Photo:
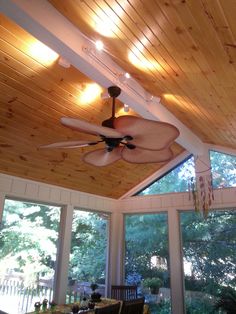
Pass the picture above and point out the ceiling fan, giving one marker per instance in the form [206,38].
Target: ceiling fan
[133,139]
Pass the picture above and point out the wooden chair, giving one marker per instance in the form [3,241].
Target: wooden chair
[133,306]
[110,309]
[123,292]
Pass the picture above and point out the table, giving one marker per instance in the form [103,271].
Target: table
[64,309]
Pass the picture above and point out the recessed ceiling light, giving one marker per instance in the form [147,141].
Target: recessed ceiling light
[126,108]
[63,62]
[127,75]
[99,45]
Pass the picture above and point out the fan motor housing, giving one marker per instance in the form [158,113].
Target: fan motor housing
[114,91]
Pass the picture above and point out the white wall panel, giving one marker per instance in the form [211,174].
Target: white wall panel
[18,187]
[32,190]
[5,184]
[44,193]
[180,201]
[35,191]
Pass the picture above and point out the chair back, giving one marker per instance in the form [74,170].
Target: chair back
[123,292]
[110,309]
[133,306]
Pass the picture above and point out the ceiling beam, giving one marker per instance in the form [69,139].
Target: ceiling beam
[45,23]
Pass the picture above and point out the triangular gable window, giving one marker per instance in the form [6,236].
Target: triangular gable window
[223,169]
[176,180]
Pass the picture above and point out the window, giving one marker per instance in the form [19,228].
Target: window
[28,249]
[223,169]
[174,181]
[146,258]
[209,259]
[88,254]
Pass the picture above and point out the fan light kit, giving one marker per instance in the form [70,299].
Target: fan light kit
[131,138]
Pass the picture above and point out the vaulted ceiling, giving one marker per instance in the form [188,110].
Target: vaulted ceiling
[182,52]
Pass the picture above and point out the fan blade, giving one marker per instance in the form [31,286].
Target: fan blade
[101,157]
[142,156]
[70,144]
[147,134]
[86,127]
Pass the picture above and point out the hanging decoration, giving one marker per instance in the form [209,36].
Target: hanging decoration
[201,192]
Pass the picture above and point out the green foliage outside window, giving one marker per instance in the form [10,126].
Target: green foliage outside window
[29,236]
[176,180]
[223,168]
[88,247]
[28,239]
[209,256]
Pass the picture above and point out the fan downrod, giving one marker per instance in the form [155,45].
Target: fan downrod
[114,92]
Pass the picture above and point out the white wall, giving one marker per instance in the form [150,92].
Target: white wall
[32,190]
[171,201]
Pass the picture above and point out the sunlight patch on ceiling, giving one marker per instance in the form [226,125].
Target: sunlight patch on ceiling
[104,27]
[177,100]
[90,93]
[139,60]
[105,22]
[40,52]
[186,105]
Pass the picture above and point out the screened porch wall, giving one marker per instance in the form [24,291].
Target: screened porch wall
[14,187]
[173,204]
[37,191]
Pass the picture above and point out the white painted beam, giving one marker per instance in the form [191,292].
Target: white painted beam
[44,22]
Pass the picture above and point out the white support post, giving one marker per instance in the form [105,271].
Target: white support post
[176,268]
[116,250]
[2,201]
[61,276]
[202,163]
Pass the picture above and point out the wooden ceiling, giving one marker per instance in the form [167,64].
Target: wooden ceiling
[184,51]
[181,51]
[34,95]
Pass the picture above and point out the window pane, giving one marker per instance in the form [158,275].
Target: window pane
[223,170]
[28,249]
[147,258]
[88,254]
[209,259]
[175,181]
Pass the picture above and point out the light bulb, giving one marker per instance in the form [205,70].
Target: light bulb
[99,45]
